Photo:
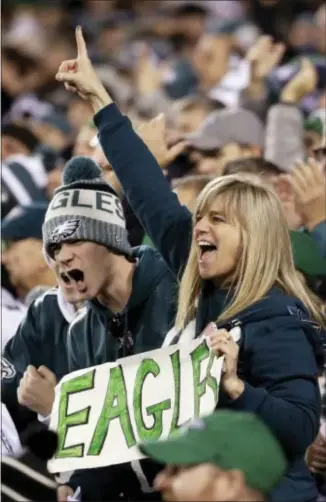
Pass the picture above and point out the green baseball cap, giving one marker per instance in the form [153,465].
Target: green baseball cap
[230,440]
[306,255]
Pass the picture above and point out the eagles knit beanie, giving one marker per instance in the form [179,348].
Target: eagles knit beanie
[85,208]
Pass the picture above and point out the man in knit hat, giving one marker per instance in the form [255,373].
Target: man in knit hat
[85,236]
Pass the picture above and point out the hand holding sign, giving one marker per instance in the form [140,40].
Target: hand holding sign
[80,77]
[223,343]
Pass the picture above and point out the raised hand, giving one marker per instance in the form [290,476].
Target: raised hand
[302,84]
[79,76]
[263,57]
[153,133]
[308,183]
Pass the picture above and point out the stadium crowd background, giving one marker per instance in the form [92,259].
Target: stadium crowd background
[235,80]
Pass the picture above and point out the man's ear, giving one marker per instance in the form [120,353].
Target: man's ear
[233,484]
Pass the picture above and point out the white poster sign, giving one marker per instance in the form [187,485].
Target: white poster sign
[102,413]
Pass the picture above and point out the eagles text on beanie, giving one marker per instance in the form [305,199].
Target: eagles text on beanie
[85,208]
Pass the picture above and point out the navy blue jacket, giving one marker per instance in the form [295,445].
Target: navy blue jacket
[278,349]
[40,340]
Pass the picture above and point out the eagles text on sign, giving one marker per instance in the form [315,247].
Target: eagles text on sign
[102,413]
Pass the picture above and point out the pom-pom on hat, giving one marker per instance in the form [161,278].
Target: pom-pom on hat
[85,208]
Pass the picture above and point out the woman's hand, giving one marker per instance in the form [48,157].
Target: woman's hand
[80,77]
[316,455]
[222,342]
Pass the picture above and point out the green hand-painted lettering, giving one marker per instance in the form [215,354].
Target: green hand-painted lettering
[200,354]
[148,366]
[115,406]
[175,359]
[65,421]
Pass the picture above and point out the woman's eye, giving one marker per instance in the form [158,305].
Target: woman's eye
[217,218]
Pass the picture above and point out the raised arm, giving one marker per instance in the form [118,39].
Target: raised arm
[165,220]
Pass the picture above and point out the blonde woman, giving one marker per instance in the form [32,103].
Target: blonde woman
[236,268]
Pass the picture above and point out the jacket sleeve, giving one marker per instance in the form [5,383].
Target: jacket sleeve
[23,349]
[285,390]
[167,223]
[284,135]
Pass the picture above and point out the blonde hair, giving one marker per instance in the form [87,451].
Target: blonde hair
[266,254]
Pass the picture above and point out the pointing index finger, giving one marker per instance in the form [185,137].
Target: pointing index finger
[81,44]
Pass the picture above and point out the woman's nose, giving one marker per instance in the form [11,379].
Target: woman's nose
[201,227]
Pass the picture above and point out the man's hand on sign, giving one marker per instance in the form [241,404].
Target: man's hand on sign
[64,492]
[79,76]
[36,390]
[153,133]
[222,342]
[303,83]
[309,185]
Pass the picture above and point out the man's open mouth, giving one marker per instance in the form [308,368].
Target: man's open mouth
[74,277]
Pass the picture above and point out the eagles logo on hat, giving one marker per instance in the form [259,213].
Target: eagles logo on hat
[65,230]
[85,208]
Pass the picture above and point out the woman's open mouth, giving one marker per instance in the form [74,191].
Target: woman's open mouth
[74,278]
[206,250]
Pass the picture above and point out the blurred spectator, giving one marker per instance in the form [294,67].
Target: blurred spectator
[17,140]
[188,189]
[192,111]
[54,130]
[12,313]
[208,460]
[23,256]
[226,135]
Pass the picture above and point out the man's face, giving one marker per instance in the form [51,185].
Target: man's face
[211,59]
[12,146]
[108,173]
[24,261]
[191,118]
[83,142]
[187,196]
[51,136]
[54,180]
[215,162]
[202,482]
[83,269]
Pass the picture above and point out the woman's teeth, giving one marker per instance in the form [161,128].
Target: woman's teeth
[206,246]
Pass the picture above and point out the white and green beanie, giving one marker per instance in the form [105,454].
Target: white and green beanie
[85,208]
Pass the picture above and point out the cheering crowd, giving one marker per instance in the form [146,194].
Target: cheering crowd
[163,177]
